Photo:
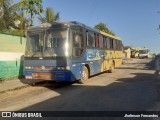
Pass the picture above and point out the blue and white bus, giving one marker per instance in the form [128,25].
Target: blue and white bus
[69,51]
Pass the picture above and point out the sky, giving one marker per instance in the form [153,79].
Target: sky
[135,21]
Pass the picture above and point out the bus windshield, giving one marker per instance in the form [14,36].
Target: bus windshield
[55,43]
[34,46]
[50,43]
[143,51]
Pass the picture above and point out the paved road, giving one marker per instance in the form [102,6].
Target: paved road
[132,87]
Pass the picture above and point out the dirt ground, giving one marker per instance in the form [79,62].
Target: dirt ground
[132,87]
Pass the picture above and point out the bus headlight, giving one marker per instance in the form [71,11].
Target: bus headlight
[28,67]
[61,68]
[67,68]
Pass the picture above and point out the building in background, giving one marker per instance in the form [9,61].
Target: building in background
[127,52]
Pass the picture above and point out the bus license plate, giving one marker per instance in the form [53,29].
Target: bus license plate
[43,76]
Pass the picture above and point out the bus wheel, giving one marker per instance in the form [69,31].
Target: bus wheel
[85,75]
[32,84]
[111,68]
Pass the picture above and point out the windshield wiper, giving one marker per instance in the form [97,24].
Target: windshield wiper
[32,56]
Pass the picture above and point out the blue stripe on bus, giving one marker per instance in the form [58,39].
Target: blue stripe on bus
[93,58]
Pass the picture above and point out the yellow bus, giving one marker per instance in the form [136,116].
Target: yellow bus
[113,51]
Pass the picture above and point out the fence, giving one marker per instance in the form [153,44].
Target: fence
[10,69]
[11,51]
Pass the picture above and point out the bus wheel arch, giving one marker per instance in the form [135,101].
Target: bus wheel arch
[114,64]
[112,67]
[85,74]
[88,69]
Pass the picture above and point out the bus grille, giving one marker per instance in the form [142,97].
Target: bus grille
[43,67]
[43,76]
[37,67]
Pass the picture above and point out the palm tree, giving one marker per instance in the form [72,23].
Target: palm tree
[50,16]
[32,8]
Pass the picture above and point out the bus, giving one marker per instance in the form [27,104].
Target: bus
[69,51]
[143,53]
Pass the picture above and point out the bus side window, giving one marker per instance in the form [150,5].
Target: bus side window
[108,43]
[111,43]
[100,41]
[117,41]
[104,42]
[119,45]
[90,40]
[114,44]
[86,38]
[76,40]
[78,43]
[97,40]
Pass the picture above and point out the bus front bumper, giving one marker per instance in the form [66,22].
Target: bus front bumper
[53,75]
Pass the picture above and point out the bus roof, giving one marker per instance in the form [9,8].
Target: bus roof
[70,23]
[111,36]
[61,24]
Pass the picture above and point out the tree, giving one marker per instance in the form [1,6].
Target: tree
[103,27]
[23,22]
[12,18]
[50,16]
[32,7]
[7,14]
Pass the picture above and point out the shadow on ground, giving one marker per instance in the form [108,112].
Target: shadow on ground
[140,93]
[147,65]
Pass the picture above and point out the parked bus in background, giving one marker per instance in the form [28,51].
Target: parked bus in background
[144,53]
[69,51]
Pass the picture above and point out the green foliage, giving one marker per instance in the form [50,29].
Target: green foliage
[103,27]
[50,16]
[24,22]
[10,15]
[7,14]
[32,7]
[154,54]
[14,32]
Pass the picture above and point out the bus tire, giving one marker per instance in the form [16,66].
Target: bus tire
[111,69]
[85,75]
[32,84]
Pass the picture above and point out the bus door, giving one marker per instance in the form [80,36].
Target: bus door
[78,46]
[99,55]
